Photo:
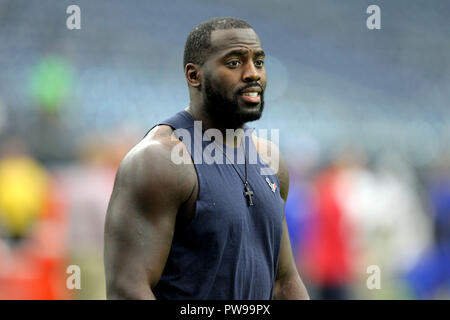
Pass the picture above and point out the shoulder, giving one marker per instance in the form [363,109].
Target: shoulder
[150,167]
[271,154]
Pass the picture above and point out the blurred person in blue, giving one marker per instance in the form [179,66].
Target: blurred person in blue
[299,207]
[430,277]
[204,230]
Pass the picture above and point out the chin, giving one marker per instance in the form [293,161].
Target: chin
[251,112]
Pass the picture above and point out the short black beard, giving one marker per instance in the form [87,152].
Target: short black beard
[228,113]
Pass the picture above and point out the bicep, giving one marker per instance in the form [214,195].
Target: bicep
[286,262]
[139,228]
[137,242]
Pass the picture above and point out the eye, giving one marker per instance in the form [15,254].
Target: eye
[233,63]
[259,63]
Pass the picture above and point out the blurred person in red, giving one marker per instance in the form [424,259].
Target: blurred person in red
[328,253]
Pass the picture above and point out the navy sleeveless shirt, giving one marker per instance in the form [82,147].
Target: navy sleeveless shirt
[229,250]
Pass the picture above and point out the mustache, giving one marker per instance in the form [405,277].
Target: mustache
[251,85]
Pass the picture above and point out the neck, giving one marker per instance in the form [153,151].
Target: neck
[199,114]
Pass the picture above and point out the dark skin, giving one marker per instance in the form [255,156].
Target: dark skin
[152,194]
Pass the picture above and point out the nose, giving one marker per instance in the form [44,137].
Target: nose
[251,74]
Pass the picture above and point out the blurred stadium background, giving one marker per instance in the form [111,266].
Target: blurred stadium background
[364,121]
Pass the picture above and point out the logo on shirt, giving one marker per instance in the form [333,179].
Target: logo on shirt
[272,186]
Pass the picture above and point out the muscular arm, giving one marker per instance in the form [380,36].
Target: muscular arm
[148,191]
[288,284]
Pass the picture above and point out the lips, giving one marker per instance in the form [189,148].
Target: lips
[251,95]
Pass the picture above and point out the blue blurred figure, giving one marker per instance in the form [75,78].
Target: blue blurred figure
[430,278]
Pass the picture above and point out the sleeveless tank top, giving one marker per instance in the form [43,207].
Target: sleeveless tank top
[229,250]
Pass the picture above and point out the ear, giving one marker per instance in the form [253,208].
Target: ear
[193,75]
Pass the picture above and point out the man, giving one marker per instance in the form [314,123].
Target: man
[196,230]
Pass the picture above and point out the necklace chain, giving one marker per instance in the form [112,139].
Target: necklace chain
[248,192]
[245,182]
